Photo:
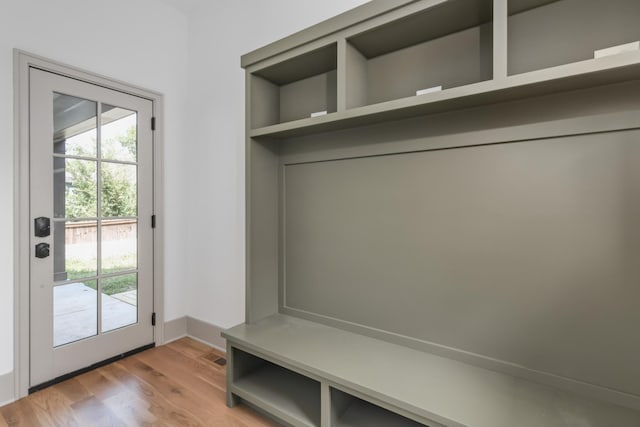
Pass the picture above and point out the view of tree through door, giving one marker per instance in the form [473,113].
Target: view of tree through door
[91,202]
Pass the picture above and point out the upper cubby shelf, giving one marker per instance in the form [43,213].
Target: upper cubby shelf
[435,56]
[584,74]
[445,46]
[295,89]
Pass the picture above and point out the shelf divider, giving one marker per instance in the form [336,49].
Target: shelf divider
[500,45]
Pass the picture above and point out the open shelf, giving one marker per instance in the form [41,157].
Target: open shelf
[585,74]
[447,45]
[296,88]
[289,396]
[543,33]
[350,411]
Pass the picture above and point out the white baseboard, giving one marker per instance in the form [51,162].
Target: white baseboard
[6,389]
[206,332]
[194,328]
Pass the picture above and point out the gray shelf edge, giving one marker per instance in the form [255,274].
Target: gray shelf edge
[534,83]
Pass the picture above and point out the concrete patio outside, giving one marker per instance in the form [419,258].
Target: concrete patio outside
[75,312]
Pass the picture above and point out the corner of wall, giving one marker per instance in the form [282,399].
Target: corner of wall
[206,332]
[175,329]
[197,329]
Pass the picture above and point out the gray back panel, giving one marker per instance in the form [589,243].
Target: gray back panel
[455,60]
[527,252]
[299,99]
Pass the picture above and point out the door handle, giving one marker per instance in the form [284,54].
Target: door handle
[42,250]
[42,226]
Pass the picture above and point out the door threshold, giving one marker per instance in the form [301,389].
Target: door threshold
[89,368]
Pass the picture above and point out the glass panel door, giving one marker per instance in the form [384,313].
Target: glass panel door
[91,156]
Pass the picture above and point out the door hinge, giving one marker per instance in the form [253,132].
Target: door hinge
[153,319]
[153,123]
[153,221]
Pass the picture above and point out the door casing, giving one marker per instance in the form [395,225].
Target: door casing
[23,61]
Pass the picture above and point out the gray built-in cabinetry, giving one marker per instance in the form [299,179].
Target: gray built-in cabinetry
[465,257]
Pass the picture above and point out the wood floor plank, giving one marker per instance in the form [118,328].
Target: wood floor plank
[93,412]
[175,393]
[157,404]
[194,376]
[212,357]
[73,389]
[98,385]
[7,415]
[198,351]
[189,347]
[199,376]
[133,411]
[189,372]
[187,386]
[58,407]
[20,413]
[177,385]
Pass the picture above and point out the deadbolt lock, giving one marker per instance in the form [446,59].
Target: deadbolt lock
[42,226]
[42,250]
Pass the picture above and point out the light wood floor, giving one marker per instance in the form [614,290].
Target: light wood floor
[178,384]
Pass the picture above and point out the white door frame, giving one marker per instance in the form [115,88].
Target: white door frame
[21,219]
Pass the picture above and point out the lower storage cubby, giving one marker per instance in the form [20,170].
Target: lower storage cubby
[292,398]
[350,411]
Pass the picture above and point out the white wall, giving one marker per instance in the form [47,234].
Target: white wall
[219,33]
[193,58]
[142,42]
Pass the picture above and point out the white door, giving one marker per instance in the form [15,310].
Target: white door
[91,203]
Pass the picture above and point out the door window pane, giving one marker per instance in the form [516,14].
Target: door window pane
[119,301]
[75,312]
[119,190]
[74,126]
[119,134]
[75,250]
[119,245]
[75,192]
